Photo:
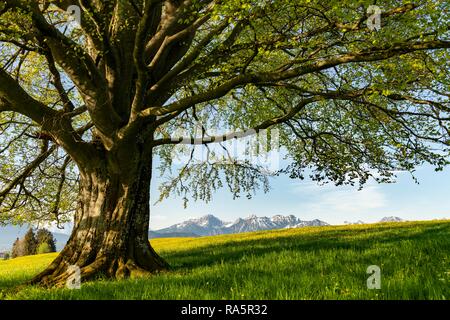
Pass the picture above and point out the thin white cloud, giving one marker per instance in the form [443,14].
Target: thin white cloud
[340,203]
[53,227]
[352,201]
[157,217]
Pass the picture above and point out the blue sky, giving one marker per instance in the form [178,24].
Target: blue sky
[305,199]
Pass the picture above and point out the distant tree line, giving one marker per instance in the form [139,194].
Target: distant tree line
[34,243]
[5,255]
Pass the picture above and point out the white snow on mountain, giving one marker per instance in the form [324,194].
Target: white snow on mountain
[391,219]
[352,223]
[211,225]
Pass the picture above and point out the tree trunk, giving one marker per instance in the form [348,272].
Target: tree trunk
[110,235]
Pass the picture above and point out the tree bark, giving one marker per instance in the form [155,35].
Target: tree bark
[110,235]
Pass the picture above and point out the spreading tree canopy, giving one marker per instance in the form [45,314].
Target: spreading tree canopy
[91,91]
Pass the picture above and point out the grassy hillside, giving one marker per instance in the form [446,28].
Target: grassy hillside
[306,263]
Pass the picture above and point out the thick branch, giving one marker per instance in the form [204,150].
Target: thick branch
[239,134]
[79,66]
[14,98]
[373,54]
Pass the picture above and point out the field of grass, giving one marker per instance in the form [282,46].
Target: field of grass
[305,263]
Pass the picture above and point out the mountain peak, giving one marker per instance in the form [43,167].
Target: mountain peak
[391,219]
[210,225]
[290,219]
[352,223]
[208,220]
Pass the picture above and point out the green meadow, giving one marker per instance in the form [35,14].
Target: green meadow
[305,263]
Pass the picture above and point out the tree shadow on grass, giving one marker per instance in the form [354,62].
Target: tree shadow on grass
[297,281]
[357,240]
[232,251]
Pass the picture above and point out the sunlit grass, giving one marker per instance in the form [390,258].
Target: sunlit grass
[305,263]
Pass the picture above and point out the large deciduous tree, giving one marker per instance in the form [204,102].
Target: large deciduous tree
[86,105]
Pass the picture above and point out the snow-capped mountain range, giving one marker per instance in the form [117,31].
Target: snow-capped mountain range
[204,226]
[210,225]
[385,219]
[391,219]
[354,223]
